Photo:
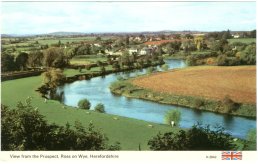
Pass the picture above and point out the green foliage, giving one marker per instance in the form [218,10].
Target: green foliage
[100,108]
[21,61]
[228,105]
[172,115]
[23,128]
[198,103]
[199,137]
[35,59]
[7,63]
[191,60]
[53,77]
[102,69]
[222,60]
[251,136]
[84,104]
[150,70]
[54,57]
[164,67]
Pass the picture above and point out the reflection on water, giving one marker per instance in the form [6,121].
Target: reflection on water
[97,91]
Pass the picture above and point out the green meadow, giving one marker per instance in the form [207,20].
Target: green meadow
[129,132]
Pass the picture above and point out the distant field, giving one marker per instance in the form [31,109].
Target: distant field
[212,82]
[243,40]
[87,60]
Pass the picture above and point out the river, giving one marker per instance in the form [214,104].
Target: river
[97,91]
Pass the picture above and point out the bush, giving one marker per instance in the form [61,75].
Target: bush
[164,67]
[222,60]
[84,104]
[191,60]
[173,115]
[197,138]
[100,108]
[229,105]
[150,70]
[198,103]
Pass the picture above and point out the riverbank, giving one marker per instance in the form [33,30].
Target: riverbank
[116,128]
[168,94]
[129,132]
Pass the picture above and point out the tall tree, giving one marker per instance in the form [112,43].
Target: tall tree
[21,60]
[7,63]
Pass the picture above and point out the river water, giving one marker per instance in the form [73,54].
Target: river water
[97,91]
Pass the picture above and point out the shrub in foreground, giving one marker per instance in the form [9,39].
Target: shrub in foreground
[199,137]
[23,128]
[84,104]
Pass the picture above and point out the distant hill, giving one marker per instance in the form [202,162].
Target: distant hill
[62,33]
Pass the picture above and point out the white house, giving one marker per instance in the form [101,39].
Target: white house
[131,51]
[236,36]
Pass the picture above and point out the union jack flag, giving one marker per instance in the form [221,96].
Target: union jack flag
[231,155]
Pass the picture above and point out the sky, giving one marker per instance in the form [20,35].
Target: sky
[90,17]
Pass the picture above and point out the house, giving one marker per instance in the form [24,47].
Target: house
[132,51]
[236,36]
[145,51]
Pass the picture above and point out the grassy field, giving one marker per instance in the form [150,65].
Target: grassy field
[239,83]
[129,132]
[243,40]
[81,61]
[72,72]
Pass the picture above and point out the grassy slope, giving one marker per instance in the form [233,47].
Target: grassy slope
[129,132]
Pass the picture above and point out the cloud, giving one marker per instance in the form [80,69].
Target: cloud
[42,17]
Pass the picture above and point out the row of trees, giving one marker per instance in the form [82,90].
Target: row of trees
[51,57]
[225,54]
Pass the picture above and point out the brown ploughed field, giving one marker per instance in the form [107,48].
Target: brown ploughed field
[211,82]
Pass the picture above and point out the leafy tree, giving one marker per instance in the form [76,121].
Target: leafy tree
[199,137]
[54,57]
[150,70]
[191,60]
[173,115]
[100,108]
[98,38]
[21,60]
[116,66]
[53,77]
[84,104]
[169,141]
[35,59]
[23,128]
[99,63]
[7,62]
[222,60]
[102,69]
[164,67]
[253,34]
[83,50]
